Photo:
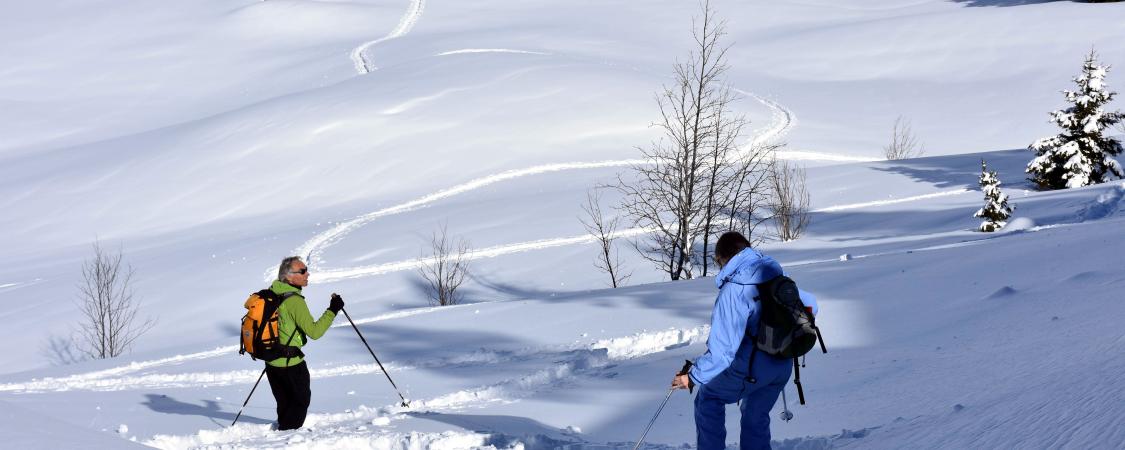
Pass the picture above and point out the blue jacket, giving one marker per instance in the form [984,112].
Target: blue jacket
[735,309]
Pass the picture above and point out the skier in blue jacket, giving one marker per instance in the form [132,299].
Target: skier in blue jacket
[721,373]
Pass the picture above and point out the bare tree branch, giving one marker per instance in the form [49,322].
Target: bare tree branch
[904,144]
[791,200]
[108,306]
[603,229]
[445,268]
[697,171]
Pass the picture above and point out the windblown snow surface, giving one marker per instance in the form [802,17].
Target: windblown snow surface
[208,139]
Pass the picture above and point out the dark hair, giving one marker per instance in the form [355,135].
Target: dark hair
[730,244]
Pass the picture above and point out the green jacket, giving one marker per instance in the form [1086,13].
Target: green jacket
[292,314]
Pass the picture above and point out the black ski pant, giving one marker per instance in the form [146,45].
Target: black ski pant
[290,386]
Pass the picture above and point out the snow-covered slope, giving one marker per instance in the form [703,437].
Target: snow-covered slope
[212,138]
[941,338]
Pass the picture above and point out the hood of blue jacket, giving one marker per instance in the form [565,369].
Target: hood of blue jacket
[748,267]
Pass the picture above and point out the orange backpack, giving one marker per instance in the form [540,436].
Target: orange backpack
[260,337]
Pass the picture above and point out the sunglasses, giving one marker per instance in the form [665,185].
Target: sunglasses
[303,271]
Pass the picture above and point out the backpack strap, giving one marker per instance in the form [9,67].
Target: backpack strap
[753,340]
[797,380]
[289,351]
[819,338]
[750,368]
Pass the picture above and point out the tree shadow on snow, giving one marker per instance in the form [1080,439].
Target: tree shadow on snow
[507,289]
[210,409]
[963,171]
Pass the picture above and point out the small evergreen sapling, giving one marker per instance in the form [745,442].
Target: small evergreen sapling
[1081,155]
[996,210]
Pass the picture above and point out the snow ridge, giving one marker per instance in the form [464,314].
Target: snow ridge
[1106,205]
[634,346]
[340,429]
[600,355]
[329,439]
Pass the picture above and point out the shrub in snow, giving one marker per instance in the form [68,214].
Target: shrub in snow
[790,202]
[904,144]
[996,210]
[1081,155]
[446,268]
[109,323]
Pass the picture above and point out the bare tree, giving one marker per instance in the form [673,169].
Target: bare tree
[790,200]
[904,144]
[109,307]
[445,268]
[724,168]
[675,194]
[750,192]
[603,230]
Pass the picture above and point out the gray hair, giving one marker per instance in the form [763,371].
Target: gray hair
[285,266]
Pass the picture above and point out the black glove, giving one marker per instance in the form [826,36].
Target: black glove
[336,304]
[684,371]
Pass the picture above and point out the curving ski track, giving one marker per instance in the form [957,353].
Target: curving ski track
[783,120]
[405,24]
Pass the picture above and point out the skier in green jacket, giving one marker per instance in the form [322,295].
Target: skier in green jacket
[289,376]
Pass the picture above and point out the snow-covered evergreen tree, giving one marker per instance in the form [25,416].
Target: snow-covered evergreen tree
[996,210]
[1081,155]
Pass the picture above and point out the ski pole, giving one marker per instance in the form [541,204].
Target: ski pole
[658,410]
[248,397]
[786,415]
[405,403]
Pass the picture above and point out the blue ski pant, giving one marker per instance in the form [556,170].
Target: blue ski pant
[755,402]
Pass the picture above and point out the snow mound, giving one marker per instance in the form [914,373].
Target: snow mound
[1004,292]
[1019,224]
[646,343]
[1107,204]
[332,439]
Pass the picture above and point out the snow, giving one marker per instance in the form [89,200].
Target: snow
[211,138]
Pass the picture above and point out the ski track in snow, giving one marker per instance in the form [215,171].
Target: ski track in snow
[802,155]
[312,249]
[490,252]
[19,284]
[490,50]
[783,121]
[405,24]
[576,363]
[893,201]
[79,381]
[627,347]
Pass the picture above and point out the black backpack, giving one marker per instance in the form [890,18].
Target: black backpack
[786,328]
